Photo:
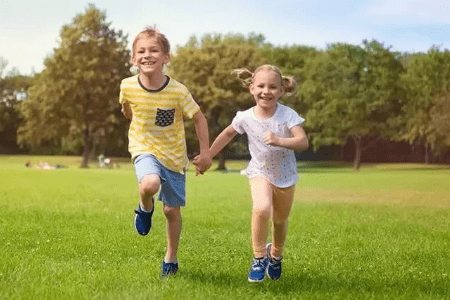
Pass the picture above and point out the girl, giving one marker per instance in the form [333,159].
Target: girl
[274,131]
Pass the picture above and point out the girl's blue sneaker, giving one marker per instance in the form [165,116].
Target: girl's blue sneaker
[168,269]
[143,221]
[274,266]
[258,270]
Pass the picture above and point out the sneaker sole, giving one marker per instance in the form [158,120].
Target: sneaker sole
[255,280]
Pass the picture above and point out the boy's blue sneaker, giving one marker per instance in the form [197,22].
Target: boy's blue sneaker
[258,270]
[274,266]
[168,269]
[143,221]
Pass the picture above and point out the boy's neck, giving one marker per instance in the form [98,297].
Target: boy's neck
[154,82]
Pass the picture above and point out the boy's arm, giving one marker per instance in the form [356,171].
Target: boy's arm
[298,141]
[126,110]
[203,161]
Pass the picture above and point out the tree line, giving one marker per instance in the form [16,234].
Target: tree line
[357,94]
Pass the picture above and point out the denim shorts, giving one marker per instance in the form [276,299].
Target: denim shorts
[173,184]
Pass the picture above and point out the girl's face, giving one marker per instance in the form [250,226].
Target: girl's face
[149,56]
[266,88]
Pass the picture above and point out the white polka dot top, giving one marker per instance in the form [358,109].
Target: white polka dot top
[278,164]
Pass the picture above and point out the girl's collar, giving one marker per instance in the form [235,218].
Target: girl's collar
[268,118]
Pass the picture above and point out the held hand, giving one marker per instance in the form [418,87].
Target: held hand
[126,110]
[271,139]
[202,163]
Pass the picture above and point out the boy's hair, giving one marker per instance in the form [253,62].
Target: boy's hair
[287,82]
[152,32]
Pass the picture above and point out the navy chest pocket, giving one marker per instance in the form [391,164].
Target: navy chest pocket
[164,117]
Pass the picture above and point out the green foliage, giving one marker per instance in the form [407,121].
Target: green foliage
[205,68]
[74,102]
[351,92]
[440,123]
[427,81]
[13,90]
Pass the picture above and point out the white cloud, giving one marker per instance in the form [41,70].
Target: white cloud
[408,11]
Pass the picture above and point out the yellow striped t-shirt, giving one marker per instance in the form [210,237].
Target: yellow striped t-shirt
[157,126]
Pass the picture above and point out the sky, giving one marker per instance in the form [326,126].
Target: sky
[30,29]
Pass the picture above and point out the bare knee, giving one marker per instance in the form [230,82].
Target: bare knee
[262,211]
[171,211]
[149,185]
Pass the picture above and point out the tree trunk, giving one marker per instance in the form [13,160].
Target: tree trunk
[87,149]
[427,155]
[222,159]
[358,151]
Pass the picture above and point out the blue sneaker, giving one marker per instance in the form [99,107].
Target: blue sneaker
[258,270]
[168,269]
[143,221]
[274,267]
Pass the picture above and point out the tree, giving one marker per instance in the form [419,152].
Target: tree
[74,103]
[440,123]
[13,90]
[352,92]
[427,81]
[205,68]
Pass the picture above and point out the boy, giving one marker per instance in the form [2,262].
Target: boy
[156,105]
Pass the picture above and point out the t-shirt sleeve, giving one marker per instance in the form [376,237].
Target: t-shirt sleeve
[190,107]
[294,119]
[122,95]
[238,121]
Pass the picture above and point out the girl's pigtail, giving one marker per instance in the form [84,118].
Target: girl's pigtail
[290,85]
[244,75]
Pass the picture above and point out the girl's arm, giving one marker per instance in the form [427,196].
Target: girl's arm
[298,141]
[222,140]
[203,161]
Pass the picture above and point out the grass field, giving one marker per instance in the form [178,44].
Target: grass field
[380,233]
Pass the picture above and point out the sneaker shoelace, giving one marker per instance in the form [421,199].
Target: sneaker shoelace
[258,264]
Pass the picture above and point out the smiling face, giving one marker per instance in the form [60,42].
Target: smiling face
[149,56]
[266,89]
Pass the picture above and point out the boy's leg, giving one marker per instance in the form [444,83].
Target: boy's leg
[173,231]
[262,195]
[148,188]
[148,173]
[282,204]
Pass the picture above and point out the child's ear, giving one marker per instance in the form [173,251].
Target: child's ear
[133,60]
[167,59]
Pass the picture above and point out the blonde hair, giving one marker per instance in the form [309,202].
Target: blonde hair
[148,32]
[287,82]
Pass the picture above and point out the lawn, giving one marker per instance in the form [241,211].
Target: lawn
[380,233]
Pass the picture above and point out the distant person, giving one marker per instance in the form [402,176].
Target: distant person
[156,105]
[274,131]
[44,166]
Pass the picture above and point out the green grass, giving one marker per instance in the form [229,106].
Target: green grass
[380,233]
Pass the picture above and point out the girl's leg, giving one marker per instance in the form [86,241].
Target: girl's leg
[148,187]
[173,231]
[282,203]
[261,191]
